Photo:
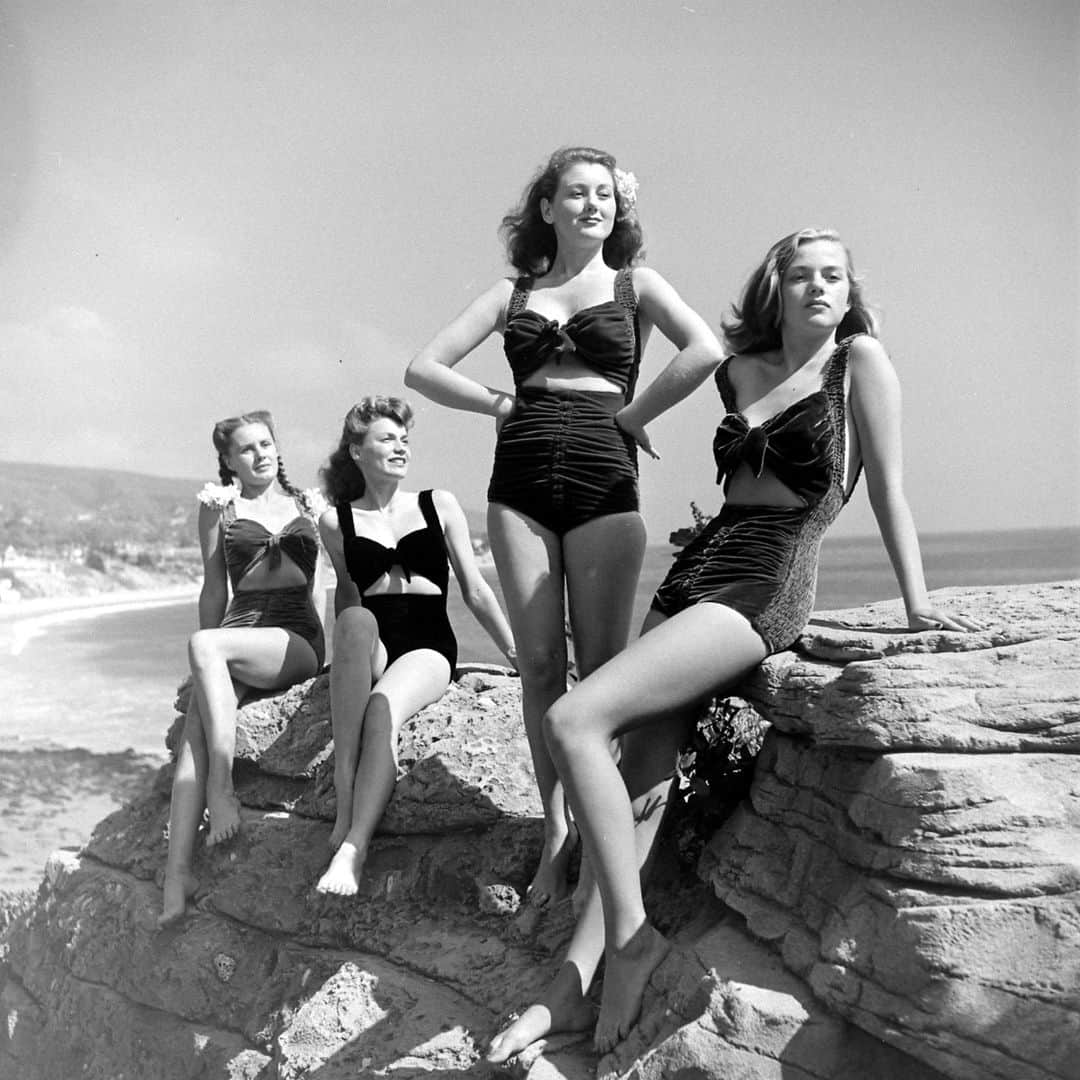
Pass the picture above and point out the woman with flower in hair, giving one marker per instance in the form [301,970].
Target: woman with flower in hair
[259,540]
[394,649]
[563,516]
[811,399]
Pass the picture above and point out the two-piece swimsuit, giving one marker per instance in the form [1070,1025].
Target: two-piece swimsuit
[407,621]
[248,543]
[560,458]
[762,561]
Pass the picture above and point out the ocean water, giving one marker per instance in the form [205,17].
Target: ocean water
[87,697]
[105,682]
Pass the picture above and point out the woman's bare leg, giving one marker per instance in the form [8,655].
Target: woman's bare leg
[648,763]
[262,657]
[185,814]
[409,683]
[603,563]
[529,561]
[358,660]
[663,673]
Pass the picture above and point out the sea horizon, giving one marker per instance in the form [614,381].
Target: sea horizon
[90,688]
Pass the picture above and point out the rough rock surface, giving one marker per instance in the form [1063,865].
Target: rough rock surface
[898,898]
[912,843]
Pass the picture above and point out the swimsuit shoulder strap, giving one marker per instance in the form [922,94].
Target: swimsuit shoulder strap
[626,298]
[345,520]
[624,289]
[519,297]
[431,515]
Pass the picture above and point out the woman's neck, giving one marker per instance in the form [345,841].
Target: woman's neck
[378,495]
[258,492]
[574,262]
[796,352]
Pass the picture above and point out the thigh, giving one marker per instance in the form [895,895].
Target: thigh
[603,563]
[412,681]
[529,562]
[265,657]
[666,672]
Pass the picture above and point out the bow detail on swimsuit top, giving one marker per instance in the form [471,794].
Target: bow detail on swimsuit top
[794,445]
[379,560]
[600,336]
[248,542]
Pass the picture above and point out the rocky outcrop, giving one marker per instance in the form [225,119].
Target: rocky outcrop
[912,843]
[898,898]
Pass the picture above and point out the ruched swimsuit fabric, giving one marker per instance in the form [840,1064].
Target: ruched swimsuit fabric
[407,621]
[560,458]
[762,561]
[247,543]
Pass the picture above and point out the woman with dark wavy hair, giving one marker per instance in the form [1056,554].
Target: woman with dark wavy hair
[563,515]
[394,649]
[258,538]
[806,411]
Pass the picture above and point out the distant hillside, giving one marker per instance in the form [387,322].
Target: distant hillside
[46,507]
[49,507]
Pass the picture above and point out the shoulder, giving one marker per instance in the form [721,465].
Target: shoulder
[864,349]
[329,525]
[868,361]
[648,282]
[446,504]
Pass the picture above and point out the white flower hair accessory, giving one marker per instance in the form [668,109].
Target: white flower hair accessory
[626,184]
[217,495]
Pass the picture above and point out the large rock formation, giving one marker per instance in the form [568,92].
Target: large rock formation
[898,898]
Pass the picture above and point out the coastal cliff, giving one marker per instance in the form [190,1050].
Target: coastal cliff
[899,896]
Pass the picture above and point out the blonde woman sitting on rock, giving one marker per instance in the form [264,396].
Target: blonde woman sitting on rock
[394,650]
[258,537]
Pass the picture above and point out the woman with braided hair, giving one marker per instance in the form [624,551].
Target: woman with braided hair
[259,540]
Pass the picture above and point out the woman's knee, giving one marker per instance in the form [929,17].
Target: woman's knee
[355,628]
[203,650]
[564,725]
[543,667]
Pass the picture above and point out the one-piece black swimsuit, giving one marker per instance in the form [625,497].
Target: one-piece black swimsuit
[248,542]
[762,560]
[407,621]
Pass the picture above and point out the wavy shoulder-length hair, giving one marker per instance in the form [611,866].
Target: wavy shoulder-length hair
[222,438]
[341,477]
[754,325]
[530,240]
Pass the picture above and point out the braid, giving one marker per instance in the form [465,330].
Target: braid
[284,481]
[226,474]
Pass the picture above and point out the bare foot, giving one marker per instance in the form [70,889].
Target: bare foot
[224,817]
[549,883]
[626,974]
[563,1008]
[342,877]
[178,888]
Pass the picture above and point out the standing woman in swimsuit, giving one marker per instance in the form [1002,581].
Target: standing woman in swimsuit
[563,498]
[394,650]
[258,537]
[810,397]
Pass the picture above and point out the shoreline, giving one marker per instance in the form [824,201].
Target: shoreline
[99,602]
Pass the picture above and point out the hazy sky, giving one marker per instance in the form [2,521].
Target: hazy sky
[212,207]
